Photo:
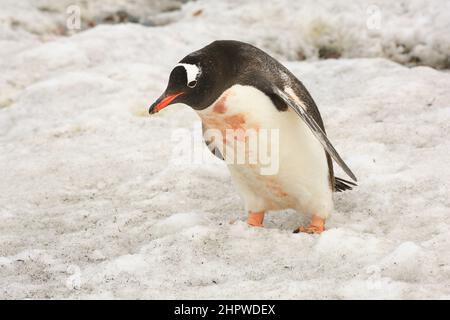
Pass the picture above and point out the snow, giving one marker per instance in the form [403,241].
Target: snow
[94,204]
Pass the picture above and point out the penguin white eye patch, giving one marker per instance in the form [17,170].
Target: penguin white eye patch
[192,73]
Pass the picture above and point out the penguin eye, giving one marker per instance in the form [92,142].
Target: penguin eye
[192,84]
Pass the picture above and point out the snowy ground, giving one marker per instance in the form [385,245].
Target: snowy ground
[92,204]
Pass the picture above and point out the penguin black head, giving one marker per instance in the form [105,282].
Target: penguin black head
[190,83]
[198,79]
[184,86]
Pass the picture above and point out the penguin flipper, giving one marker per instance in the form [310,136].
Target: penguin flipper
[301,110]
[214,150]
[211,147]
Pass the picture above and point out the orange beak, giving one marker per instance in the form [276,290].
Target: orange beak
[163,102]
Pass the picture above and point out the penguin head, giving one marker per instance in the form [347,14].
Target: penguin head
[200,77]
[190,82]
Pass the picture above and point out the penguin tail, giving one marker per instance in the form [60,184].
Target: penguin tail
[342,184]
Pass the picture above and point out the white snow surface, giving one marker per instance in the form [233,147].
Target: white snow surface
[93,203]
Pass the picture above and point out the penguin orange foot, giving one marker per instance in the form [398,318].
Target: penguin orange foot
[317,225]
[255,219]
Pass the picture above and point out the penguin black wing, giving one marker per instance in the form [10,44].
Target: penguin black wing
[301,109]
[211,145]
[301,102]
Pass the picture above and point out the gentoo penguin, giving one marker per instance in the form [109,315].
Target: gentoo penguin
[235,86]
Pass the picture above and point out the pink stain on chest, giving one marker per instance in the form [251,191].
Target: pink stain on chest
[217,118]
[220,117]
[235,121]
[219,106]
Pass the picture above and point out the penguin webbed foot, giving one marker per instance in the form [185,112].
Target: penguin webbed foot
[309,229]
[316,226]
[255,219]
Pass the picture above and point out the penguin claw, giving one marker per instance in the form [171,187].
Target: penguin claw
[317,226]
[256,225]
[310,230]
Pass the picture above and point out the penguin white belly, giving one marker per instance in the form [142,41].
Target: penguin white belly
[294,174]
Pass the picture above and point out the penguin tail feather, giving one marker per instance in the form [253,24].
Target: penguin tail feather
[342,184]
